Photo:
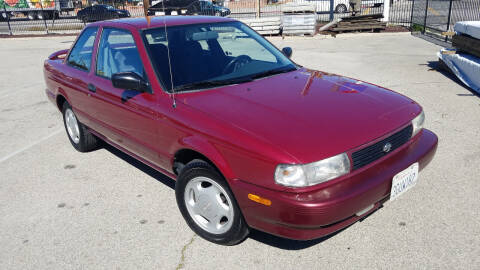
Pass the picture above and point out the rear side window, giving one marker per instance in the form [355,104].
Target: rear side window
[117,52]
[81,55]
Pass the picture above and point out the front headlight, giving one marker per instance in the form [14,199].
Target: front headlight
[313,173]
[417,123]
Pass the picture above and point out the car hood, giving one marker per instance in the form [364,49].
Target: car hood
[310,115]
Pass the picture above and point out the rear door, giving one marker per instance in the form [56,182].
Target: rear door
[128,116]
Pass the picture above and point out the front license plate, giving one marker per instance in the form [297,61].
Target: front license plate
[404,181]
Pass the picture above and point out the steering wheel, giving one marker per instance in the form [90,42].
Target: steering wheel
[237,63]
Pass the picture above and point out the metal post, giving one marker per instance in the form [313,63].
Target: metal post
[411,15]
[425,18]
[386,10]
[43,15]
[8,20]
[448,20]
[258,8]
[81,7]
[331,10]
[54,11]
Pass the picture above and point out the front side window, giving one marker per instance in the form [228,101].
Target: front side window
[81,55]
[117,52]
[207,55]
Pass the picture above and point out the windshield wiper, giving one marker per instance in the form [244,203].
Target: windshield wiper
[273,72]
[207,84]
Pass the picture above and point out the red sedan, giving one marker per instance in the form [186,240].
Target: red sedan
[252,139]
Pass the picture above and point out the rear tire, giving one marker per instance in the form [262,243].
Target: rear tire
[80,138]
[208,206]
[32,15]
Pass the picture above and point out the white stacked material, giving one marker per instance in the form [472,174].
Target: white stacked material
[265,26]
[299,19]
[471,28]
[465,66]
[299,8]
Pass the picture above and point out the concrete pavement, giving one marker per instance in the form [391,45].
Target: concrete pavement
[60,209]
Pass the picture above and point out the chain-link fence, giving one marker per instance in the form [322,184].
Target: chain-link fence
[70,16]
[432,17]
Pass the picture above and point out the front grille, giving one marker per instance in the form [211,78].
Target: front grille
[375,151]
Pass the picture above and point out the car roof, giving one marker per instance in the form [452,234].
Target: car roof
[159,21]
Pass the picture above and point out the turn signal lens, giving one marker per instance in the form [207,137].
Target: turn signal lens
[259,199]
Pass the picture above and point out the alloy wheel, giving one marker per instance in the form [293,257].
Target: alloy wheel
[72,126]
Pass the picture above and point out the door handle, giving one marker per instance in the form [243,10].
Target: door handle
[92,88]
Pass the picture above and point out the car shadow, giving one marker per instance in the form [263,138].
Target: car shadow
[289,244]
[141,166]
[262,237]
[444,70]
[284,243]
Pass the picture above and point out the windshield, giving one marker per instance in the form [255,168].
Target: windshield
[109,7]
[208,55]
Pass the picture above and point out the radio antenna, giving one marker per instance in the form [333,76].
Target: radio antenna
[174,104]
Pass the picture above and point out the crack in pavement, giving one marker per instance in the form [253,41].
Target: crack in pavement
[181,264]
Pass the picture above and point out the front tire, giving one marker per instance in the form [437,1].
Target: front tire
[208,206]
[80,138]
[341,8]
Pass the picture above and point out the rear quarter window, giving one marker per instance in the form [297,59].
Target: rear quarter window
[81,55]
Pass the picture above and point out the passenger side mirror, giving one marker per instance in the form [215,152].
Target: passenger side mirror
[130,81]
[287,51]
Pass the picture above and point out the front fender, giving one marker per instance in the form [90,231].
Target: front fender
[207,149]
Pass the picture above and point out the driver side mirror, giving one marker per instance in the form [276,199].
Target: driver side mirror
[287,51]
[130,81]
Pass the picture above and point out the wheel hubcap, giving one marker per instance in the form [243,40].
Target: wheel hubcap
[209,205]
[72,126]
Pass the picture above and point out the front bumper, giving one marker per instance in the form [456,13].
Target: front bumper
[313,214]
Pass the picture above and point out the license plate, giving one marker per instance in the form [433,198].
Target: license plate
[404,181]
[174,13]
[159,13]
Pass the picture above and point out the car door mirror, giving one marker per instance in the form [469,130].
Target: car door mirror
[287,51]
[130,81]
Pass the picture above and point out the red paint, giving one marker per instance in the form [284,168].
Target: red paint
[246,130]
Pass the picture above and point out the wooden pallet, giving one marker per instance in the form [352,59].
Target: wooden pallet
[466,44]
[359,23]
[363,17]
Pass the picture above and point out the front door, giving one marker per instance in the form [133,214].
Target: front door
[128,116]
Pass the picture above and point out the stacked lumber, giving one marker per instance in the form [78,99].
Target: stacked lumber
[466,44]
[299,19]
[359,23]
[265,26]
